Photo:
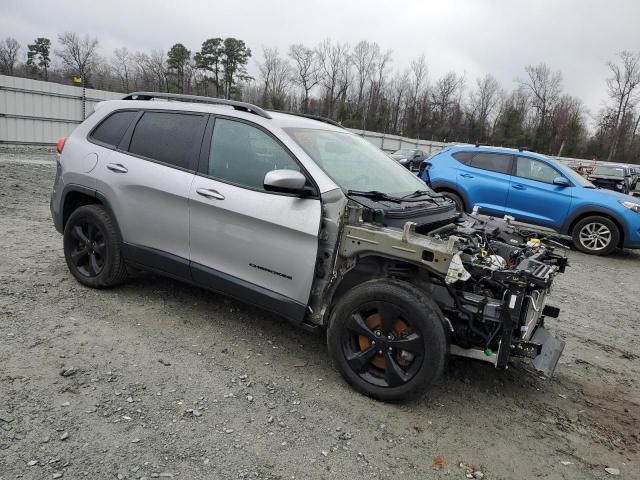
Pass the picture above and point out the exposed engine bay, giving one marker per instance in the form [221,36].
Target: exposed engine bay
[489,278]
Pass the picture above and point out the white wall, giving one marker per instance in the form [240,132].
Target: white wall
[33,112]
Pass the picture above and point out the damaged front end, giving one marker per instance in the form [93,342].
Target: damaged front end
[489,278]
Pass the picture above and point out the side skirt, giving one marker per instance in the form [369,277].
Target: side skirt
[181,269]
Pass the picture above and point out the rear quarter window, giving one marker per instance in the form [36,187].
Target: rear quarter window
[111,130]
[463,157]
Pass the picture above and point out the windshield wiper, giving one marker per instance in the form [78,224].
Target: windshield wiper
[418,193]
[374,194]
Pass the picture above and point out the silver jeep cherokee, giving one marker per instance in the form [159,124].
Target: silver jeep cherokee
[301,217]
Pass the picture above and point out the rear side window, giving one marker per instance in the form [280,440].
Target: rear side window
[463,157]
[113,128]
[171,138]
[492,161]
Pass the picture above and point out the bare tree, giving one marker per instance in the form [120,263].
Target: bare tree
[544,88]
[276,74]
[483,101]
[306,71]
[158,67]
[364,57]
[377,86]
[401,86]
[332,59]
[78,54]
[621,87]
[9,49]
[122,66]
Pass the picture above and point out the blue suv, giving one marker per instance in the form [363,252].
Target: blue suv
[535,189]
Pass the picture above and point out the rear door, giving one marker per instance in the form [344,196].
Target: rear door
[146,181]
[533,197]
[252,244]
[485,178]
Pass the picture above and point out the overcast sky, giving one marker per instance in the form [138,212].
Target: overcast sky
[474,37]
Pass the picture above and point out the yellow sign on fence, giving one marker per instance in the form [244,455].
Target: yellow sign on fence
[77,79]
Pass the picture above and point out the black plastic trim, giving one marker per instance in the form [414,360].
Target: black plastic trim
[182,269]
[248,292]
[159,261]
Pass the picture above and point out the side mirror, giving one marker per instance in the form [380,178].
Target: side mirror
[285,181]
[417,155]
[561,182]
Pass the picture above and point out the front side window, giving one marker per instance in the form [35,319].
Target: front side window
[243,154]
[171,138]
[535,170]
[492,161]
[113,128]
[353,163]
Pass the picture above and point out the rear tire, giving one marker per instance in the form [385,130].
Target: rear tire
[387,339]
[596,235]
[92,248]
[455,198]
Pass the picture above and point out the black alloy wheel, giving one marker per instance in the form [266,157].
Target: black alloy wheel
[92,247]
[381,346]
[387,339]
[88,249]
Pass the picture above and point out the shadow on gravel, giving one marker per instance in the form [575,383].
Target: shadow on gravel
[463,378]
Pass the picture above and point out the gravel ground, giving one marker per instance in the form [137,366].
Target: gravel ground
[161,379]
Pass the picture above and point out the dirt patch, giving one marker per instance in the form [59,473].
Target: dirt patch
[161,379]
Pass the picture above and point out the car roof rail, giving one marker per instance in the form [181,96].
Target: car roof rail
[479,144]
[243,106]
[311,116]
[524,149]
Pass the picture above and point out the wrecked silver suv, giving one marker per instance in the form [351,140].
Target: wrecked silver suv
[301,217]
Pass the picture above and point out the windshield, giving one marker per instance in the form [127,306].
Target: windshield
[355,164]
[405,152]
[609,170]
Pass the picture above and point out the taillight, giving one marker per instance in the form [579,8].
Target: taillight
[60,144]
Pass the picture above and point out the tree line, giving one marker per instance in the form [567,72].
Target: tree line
[359,87]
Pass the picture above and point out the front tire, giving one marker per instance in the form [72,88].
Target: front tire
[387,340]
[596,235]
[455,198]
[92,248]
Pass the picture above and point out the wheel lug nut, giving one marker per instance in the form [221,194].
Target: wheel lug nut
[379,352]
[373,342]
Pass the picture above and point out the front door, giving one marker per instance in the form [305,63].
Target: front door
[534,198]
[256,245]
